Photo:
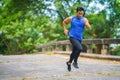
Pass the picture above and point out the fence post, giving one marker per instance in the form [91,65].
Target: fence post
[68,47]
[104,50]
[60,48]
[43,49]
[48,48]
[89,48]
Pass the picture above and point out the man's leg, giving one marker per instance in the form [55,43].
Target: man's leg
[73,55]
[76,57]
[78,53]
[77,47]
[75,63]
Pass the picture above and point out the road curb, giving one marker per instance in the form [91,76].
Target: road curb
[91,55]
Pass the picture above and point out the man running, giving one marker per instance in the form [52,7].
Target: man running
[75,34]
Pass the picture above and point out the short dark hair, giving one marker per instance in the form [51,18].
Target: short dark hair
[80,9]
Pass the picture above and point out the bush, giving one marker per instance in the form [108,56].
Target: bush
[116,51]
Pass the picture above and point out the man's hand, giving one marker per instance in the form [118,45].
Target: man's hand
[66,32]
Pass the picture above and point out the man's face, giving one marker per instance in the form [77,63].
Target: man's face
[80,14]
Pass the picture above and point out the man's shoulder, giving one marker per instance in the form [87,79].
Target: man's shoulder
[72,16]
[85,19]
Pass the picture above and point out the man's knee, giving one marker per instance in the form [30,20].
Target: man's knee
[79,49]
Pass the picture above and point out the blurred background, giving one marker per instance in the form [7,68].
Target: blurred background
[25,24]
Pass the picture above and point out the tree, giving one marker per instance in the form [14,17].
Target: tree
[20,25]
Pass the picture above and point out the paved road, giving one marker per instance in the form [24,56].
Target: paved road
[53,67]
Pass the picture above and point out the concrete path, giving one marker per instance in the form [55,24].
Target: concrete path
[53,67]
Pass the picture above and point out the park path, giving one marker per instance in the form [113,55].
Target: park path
[53,67]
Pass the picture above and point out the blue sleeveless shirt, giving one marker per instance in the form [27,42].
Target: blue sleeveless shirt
[77,28]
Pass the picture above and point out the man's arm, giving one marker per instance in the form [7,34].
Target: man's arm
[87,24]
[65,21]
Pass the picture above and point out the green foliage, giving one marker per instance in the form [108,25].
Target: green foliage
[113,14]
[25,35]
[115,50]
[97,22]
